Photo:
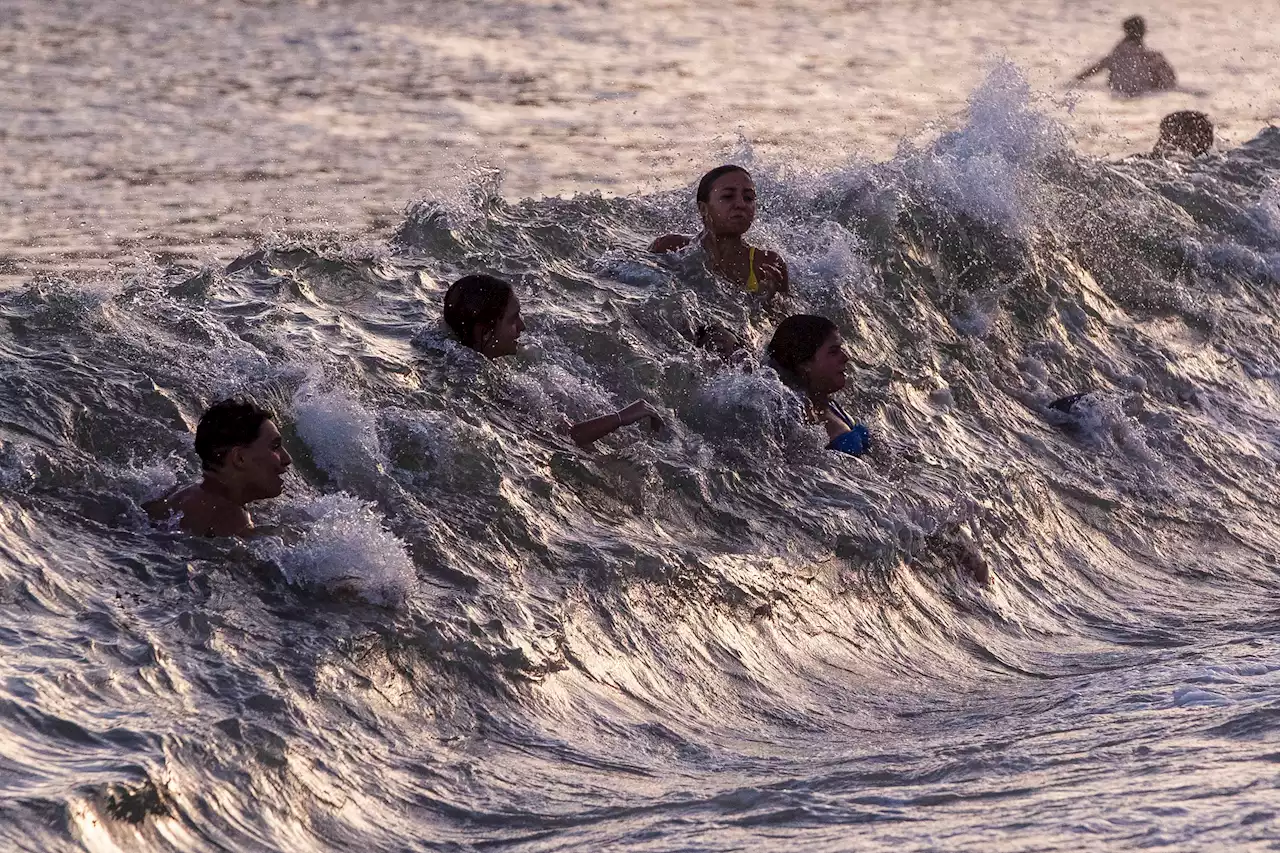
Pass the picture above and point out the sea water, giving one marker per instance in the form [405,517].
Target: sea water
[458,631]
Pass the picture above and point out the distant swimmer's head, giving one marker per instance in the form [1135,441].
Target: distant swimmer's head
[727,201]
[1186,130]
[484,313]
[810,348]
[1135,28]
[238,441]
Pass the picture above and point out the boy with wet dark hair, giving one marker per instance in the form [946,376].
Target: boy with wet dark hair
[244,460]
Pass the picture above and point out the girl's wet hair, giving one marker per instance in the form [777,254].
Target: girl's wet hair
[798,339]
[473,302]
[228,423]
[710,178]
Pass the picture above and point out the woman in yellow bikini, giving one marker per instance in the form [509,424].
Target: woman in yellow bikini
[727,205]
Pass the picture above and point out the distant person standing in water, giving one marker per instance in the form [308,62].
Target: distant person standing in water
[244,460]
[726,199]
[1134,69]
[483,312]
[1188,131]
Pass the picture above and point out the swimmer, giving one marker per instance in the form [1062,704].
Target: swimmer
[244,460]
[809,352]
[1188,131]
[727,204]
[726,200]
[1133,68]
[810,355]
[483,312]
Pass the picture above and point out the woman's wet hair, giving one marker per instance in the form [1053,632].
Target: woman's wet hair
[798,339]
[710,178]
[473,302]
[230,423]
[1135,27]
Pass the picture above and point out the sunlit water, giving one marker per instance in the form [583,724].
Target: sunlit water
[462,632]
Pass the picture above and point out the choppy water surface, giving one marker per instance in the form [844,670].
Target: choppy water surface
[466,633]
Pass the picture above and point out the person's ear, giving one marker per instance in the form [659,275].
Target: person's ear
[704,211]
[235,458]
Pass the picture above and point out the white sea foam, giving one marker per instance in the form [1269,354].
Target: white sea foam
[1102,418]
[983,169]
[340,432]
[556,391]
[1194,697]
[830,271]
[345,546]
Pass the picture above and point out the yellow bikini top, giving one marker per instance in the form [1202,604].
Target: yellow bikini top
[753,284]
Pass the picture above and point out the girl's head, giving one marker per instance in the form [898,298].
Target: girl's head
[727,201]
[484,313]
[809,347]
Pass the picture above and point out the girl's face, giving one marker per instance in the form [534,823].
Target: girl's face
[504,337]
[731,207]
[824,373]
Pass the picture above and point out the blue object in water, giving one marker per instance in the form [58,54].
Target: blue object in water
[855,442]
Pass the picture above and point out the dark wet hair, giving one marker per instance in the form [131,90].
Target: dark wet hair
[1135,27]
[473,301]
[228,423]
[1185,130]
[797,339]
[710,178]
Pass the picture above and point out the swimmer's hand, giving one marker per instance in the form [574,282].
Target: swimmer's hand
[719,340]
[774,269]
[638,411]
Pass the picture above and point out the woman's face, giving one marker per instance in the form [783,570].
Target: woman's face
[504,337]
[731,206]
[824,373]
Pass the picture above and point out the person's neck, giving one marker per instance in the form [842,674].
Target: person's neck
[224,491]
[720,245]
[819,400]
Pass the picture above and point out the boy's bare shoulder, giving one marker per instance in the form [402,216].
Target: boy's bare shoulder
[199,513]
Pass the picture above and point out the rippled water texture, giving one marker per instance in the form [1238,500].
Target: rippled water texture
[462,632]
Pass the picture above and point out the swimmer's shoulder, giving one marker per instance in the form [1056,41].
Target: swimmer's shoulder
[163,507]
[669,243]
[197,514]
[770,265]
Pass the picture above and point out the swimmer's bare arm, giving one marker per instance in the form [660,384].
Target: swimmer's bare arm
[586,433]
[669,243]
[1101,65]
